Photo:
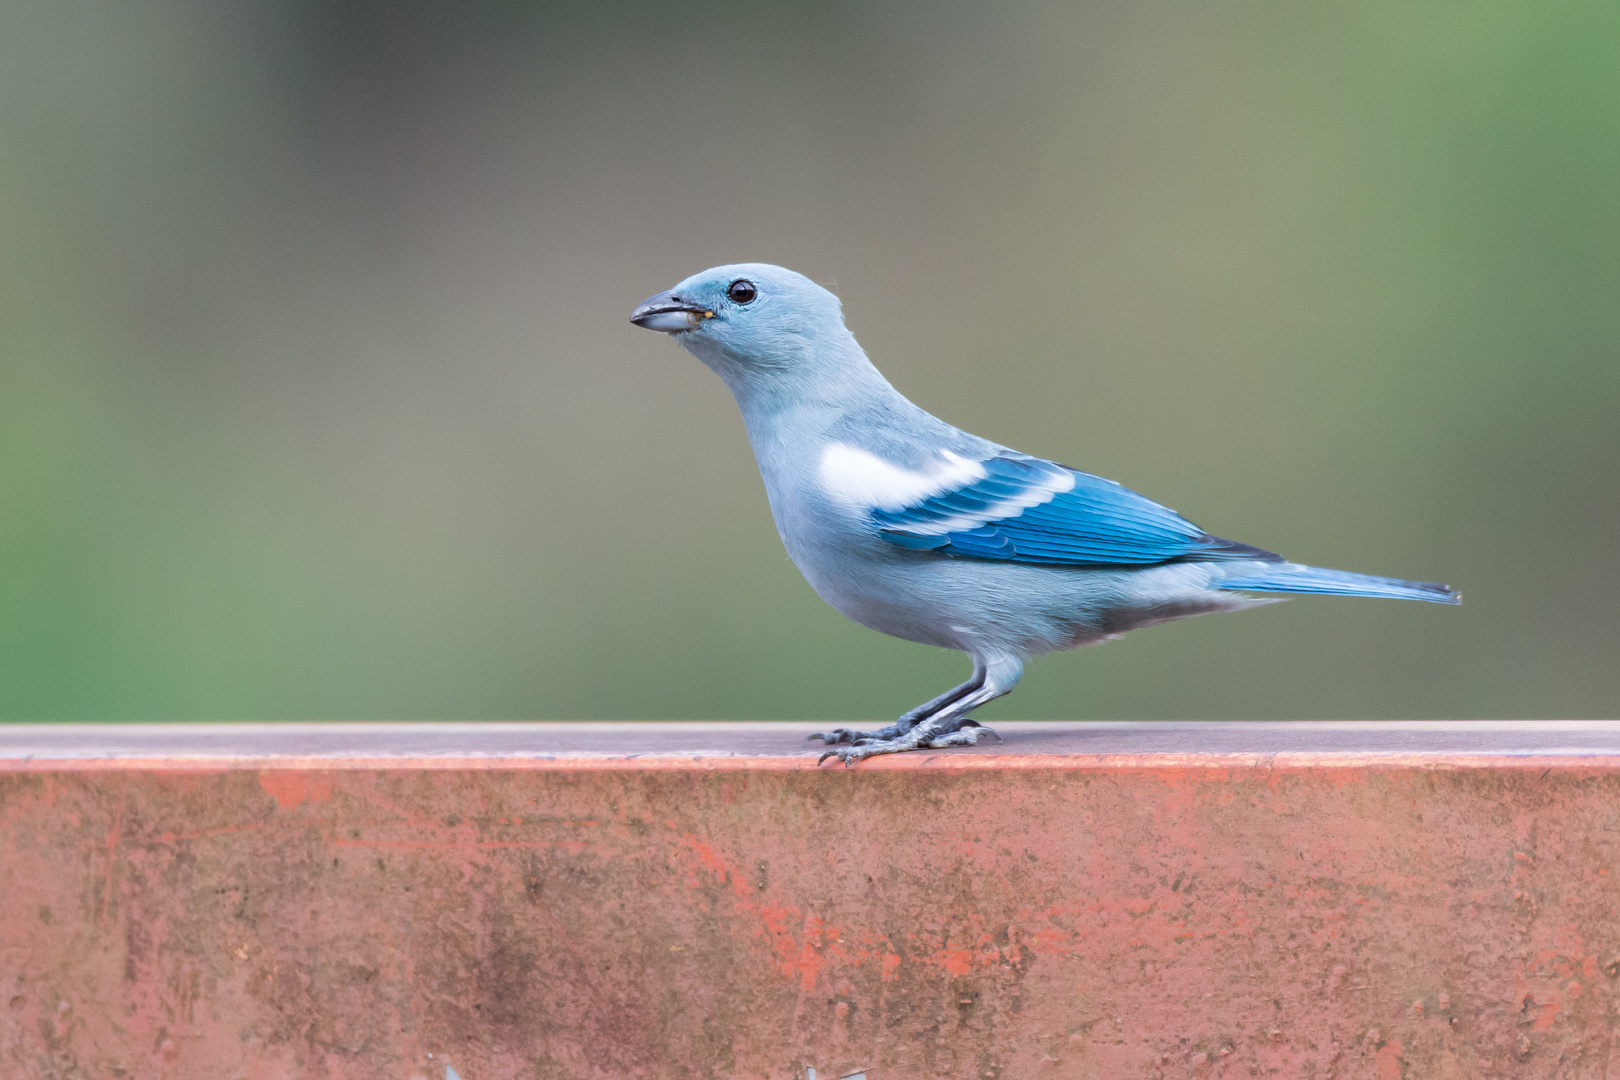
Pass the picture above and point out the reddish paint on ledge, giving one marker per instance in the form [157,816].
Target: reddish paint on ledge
[936,917]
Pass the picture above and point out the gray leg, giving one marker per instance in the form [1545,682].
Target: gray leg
[949,726]
[906,722]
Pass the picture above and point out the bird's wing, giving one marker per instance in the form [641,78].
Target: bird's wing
[1015,508]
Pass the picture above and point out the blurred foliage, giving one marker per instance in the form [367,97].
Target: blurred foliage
[318,399]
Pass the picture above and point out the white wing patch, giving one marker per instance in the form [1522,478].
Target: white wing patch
[1035,494]
[864,482]
[861,480]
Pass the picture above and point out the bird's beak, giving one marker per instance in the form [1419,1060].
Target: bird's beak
[669,314]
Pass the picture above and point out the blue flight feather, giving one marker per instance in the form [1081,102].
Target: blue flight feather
[1095,522]
[1294,578]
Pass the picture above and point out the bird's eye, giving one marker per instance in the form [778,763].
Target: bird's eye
[742,292]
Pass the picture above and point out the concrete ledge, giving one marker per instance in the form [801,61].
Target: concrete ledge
[718,743]
[697,900]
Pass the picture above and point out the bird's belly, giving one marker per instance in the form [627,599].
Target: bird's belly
[896,614]
[980,606]
[972,605]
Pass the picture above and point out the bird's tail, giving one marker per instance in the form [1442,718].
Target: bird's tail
[1294,578]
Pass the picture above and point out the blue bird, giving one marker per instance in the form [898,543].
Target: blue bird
[918,529]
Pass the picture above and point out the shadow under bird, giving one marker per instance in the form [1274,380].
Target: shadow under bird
[918,529]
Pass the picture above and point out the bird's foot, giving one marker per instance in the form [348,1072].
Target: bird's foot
[970,734]
[849,735]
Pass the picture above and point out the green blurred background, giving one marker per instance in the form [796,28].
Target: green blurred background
[318,398]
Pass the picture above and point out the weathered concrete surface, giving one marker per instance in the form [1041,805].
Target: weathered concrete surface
[971,915]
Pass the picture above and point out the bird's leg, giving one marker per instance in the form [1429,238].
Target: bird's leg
[906,722]
[949,726]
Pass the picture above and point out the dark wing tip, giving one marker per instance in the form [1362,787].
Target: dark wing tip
[1209,548]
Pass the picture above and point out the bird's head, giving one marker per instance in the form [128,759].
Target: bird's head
[754,324]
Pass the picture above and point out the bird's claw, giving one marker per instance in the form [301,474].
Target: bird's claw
[843,735]
[862,748]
